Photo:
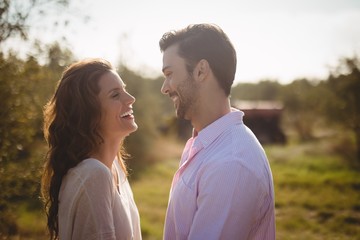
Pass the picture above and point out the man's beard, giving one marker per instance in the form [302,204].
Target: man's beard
[187,92]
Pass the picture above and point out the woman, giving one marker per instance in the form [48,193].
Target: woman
[84,183]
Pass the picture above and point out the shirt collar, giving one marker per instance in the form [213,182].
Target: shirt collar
[207,135]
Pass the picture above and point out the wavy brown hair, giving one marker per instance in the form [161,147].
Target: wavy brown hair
[71,129]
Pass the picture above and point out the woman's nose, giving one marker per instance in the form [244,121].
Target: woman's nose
[131,98]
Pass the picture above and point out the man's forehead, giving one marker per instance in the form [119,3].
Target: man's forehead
[171,58]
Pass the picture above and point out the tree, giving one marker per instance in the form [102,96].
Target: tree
[25,86]
[344,105]
[147,112]
[15,15]
[264,90]
[301,99]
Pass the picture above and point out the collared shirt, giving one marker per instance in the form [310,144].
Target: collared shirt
[223,188]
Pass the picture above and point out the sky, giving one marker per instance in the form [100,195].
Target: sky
[279,40]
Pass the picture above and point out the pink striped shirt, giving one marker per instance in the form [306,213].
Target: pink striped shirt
[223,188]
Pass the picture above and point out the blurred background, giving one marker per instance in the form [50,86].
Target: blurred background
[298,82]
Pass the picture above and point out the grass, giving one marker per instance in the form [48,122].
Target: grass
[317,193]
[31,223]
[151,195]
[151,189]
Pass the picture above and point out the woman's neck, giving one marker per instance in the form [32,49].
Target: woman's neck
[106,153]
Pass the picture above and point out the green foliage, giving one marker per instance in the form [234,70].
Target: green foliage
[16,113]
[344,86]
[264,90]
[147,111]
[343,105]
[18,128]
[25,86]
[301,100]
[15,15]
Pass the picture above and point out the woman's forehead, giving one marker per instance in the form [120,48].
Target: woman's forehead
[110,80]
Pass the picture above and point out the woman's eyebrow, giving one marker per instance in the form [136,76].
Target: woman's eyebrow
[113,89]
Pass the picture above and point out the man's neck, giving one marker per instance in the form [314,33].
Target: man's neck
[210,113]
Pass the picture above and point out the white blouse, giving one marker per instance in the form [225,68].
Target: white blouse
[92,207]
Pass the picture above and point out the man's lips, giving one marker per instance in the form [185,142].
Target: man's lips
[173,96]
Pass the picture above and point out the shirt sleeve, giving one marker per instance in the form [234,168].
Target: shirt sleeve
[97,203]
[228,200]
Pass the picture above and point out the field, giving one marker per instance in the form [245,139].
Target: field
[317,193]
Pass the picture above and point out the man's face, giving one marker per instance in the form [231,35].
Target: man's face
[179,85]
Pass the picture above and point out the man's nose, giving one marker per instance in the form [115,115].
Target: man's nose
[164,87]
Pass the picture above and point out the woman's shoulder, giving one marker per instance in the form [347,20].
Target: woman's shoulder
[88,174]
[91,169]
[92,163]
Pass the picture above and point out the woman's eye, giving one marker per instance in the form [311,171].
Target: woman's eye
[115,95]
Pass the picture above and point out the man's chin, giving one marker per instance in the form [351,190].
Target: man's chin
[181,115]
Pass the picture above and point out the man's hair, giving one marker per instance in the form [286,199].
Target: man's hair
[205,41]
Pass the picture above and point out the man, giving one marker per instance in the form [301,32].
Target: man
[223,188]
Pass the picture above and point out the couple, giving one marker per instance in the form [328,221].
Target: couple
[223,188]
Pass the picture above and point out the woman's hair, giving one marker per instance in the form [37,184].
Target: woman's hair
[205,41]
[71,129]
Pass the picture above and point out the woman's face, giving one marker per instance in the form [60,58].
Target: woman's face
[117,119]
